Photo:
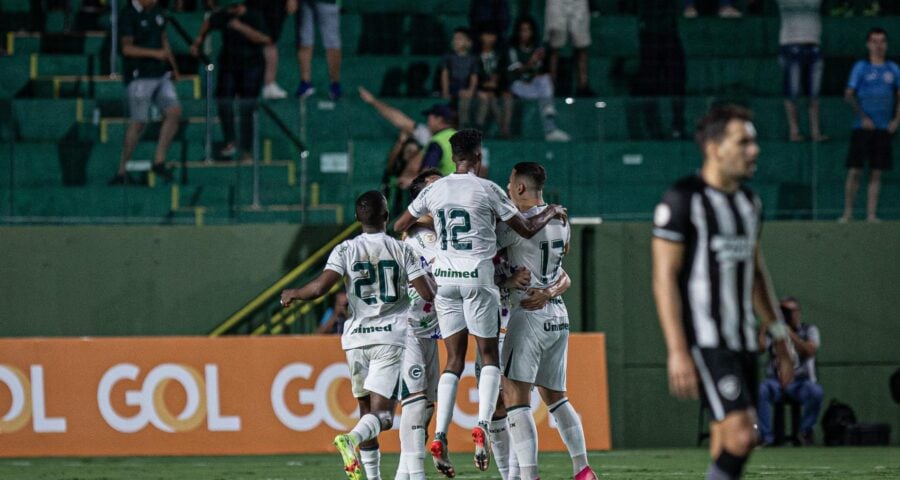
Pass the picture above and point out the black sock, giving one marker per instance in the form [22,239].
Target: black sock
[731,464]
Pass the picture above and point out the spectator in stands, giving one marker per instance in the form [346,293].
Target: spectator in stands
[333,319]
[435,135]
[148,70]
[492,85]
[804,389]
[405,149]
[489,15]
[459,74]
[801,59]
[662,72]
[241,69]
[327,14]
[564,19]
[274,12]
[726,9]
[872,91]
[530,80]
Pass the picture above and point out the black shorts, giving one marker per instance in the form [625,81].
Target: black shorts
[872,147]
[728,380]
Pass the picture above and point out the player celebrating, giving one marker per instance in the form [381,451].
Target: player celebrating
[537,338]
[377,269]
[708,275]
[465,208]
[420,368]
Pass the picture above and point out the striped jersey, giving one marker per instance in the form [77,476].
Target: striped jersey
[422,316]
[541,254]
[466,209]
[719,231]
[376,270]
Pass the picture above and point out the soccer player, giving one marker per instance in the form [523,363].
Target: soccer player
[376,269]
[466,208]
[537,338]
[708,275]
[420,368]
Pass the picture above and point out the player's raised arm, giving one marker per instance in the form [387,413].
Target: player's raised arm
[529,227]
[316,288]
[765,303]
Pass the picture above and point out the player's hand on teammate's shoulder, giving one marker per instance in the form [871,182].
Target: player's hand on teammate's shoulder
[535,299]
[682,375]
[560,213]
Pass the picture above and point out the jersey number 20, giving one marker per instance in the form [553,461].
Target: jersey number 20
[385,278]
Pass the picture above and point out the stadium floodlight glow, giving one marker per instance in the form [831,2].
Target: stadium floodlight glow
[570,100]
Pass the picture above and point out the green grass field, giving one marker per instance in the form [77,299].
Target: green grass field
[781,464]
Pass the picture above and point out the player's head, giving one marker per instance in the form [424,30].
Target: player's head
[877,42]
[422,180]
[466,146]
[790,309]
[727,138]
[439,117]
[371,209]
[526,181]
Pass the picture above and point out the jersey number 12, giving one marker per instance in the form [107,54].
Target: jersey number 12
[455,228]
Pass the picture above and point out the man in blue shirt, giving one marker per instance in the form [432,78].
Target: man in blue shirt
[872,92]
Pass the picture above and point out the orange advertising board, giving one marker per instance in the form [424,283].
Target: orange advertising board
[223,396]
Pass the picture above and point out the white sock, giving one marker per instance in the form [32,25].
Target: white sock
[401,469]
[513,460]
[371,460]
[488,390]
[523,432]
[500,446]
[446,393]
[569,425]
[367,428]
[413,437]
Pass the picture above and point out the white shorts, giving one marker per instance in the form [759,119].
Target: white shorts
[535,350]
[567,18]
[421,367]
[474,307]
[375,369]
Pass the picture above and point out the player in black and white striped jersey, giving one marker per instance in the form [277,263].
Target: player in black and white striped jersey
[708,276]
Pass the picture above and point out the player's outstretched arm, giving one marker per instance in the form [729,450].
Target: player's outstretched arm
[405,221]
[765,303]
[668,259]
[529,227]
[425,286]
[539,297]
[316,288]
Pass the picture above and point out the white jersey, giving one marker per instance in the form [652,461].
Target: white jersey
[423,321]
[466,209]
[542,255]
[376,270]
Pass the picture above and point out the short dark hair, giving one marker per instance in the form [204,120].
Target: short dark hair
[465,143]
[418,184]
[534,172]
[371,208]
[711,127]
[463,30]
[876,31]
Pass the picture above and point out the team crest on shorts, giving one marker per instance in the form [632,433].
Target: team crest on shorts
[416,372]
[729,387]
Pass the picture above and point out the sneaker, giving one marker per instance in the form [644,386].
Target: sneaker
[482,447]
[730,12]
[439,454]
[123,179]
[586,474]
[273,91]
[557,136]
[163,171]
[349,451]
[690,12]
[334,91]
[304,90]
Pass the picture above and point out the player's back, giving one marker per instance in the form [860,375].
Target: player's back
[376,269]
[422,316]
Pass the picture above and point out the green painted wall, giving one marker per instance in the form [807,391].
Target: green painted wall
[76,281]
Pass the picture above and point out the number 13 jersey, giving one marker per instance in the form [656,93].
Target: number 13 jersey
[466,209]
[376,270]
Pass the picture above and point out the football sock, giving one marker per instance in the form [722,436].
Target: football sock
[726,467]
[488,390]
[500,445]
[367,428]
[413,437]
[371,460]
[523,433]
[568,423]
[446,393]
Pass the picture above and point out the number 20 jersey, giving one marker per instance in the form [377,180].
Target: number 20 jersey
[376,270]
[466,209]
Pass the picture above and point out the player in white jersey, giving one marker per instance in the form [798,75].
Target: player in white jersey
[420,367]
[376,269]
[466,209]
[537,337]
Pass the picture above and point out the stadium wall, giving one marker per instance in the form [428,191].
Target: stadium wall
[74,281]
